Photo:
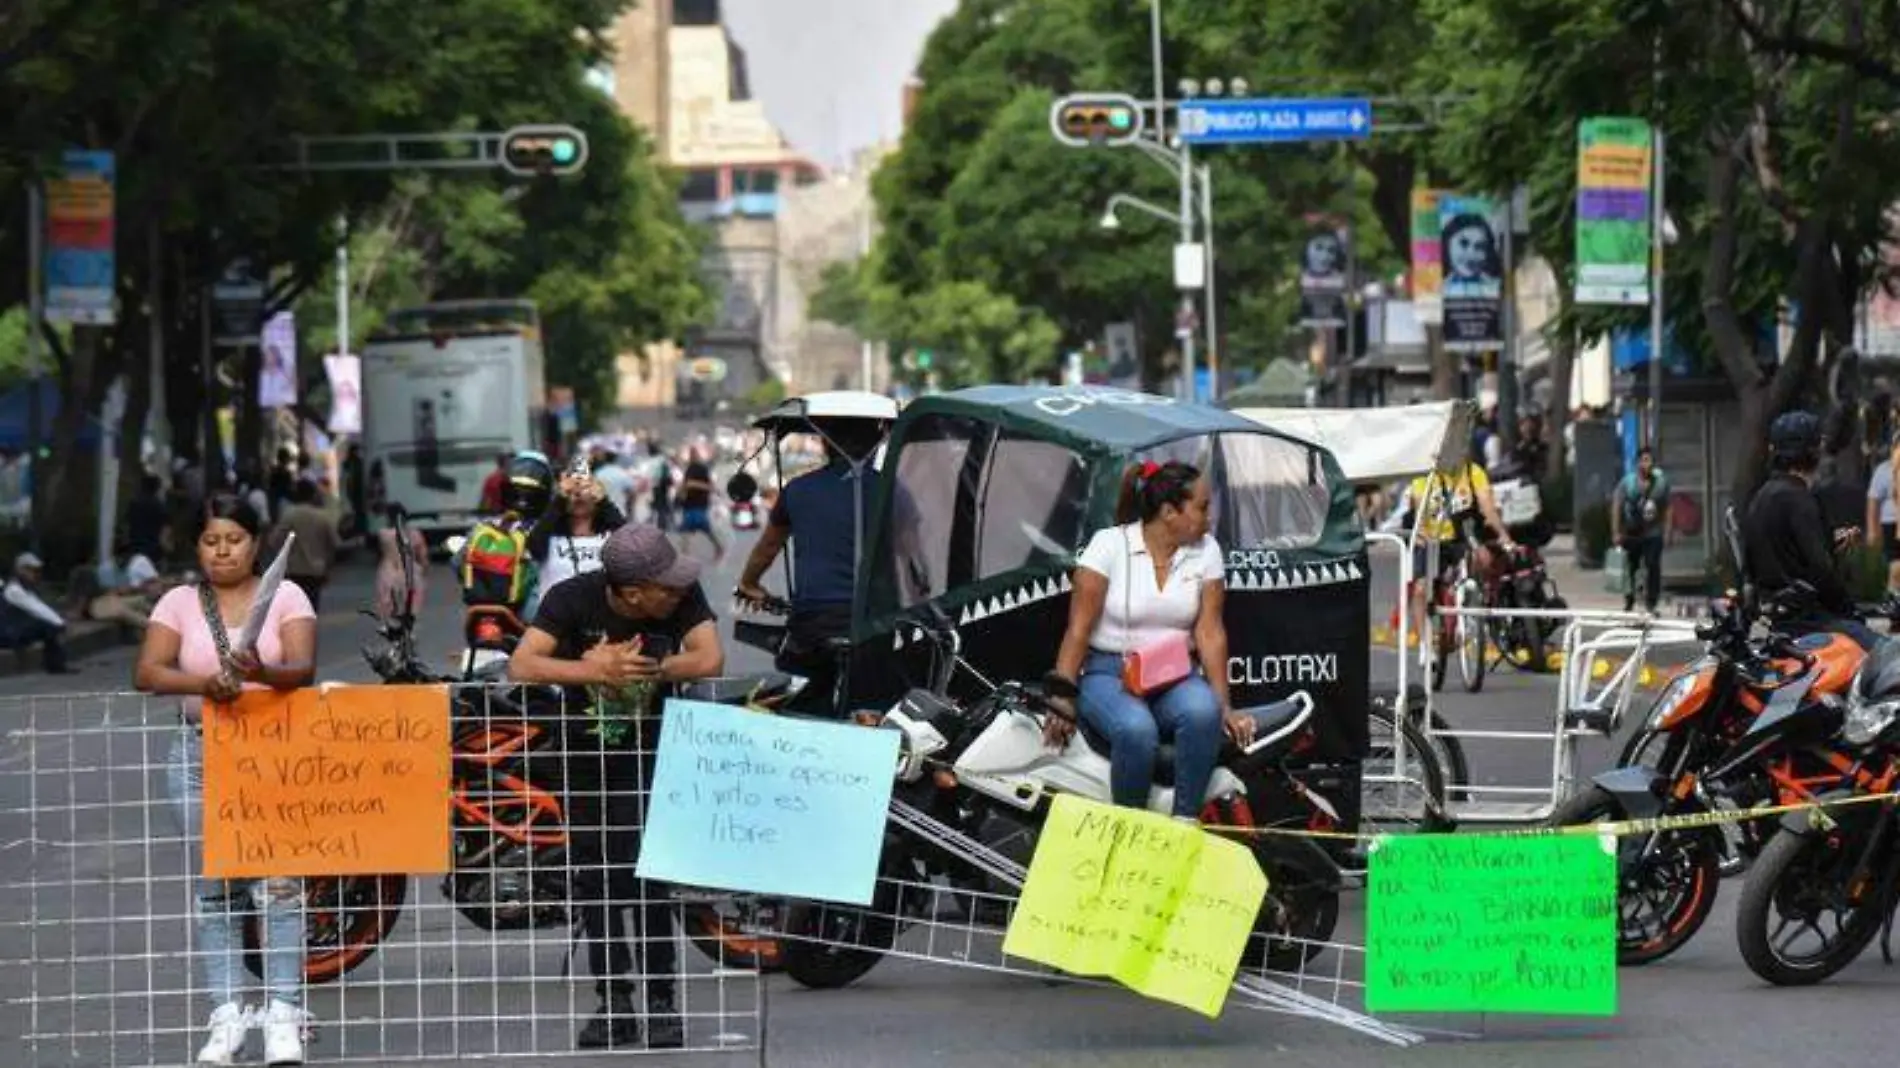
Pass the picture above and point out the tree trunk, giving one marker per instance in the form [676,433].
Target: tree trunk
[1563,357]
[248,435]
[1444,364]
[134,341]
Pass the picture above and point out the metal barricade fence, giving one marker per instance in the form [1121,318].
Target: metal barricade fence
[114,952]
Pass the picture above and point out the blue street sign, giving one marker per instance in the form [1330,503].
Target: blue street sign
[1239,122]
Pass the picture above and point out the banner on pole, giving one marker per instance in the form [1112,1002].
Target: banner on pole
[1428,268]
[346,393]
[79,265]
[1323,276]
[277,379]
[1614,164]
[1474,273]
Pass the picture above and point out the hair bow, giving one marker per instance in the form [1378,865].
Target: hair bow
[1150,469]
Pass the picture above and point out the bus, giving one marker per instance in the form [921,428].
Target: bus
[447,388]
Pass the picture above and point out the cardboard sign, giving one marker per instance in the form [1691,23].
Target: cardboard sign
[1476,923]
[1159,905]
[748,801]
[345,781]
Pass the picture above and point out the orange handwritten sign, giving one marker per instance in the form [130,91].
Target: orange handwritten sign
[352,781]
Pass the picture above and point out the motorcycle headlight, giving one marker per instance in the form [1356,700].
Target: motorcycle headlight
[1867,720]
[1672,697]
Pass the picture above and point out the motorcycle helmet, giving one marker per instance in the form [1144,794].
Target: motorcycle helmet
[1794,439]
[530,484]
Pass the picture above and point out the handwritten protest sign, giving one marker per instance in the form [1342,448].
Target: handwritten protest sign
[1160,905]
[748,801]
[1475,923]
[346,781]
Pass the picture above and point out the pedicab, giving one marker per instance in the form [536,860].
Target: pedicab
[987,495]
[985,498]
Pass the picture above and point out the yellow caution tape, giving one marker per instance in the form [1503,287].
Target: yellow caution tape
[1616,828]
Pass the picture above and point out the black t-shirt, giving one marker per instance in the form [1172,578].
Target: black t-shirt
[696,496]
[1785,540]
[577,614]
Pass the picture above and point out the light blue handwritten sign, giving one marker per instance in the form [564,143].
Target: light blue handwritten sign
[748,801]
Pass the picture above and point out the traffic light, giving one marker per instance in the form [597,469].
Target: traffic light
[535,150]
[1096,119]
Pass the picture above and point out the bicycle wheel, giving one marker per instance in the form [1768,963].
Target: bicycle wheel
[1449,751]
[1442,631]
[1473,637]
[1408,796]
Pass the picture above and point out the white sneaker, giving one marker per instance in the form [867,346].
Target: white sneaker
[283,1034]
[229,1026]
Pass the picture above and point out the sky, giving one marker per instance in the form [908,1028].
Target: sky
[831,73]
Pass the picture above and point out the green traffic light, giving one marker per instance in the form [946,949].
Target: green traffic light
[564,150]
[1120,119]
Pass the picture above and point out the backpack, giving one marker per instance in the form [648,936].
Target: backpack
[1641,508]
[496,569]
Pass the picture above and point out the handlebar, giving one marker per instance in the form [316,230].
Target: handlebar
[769,605]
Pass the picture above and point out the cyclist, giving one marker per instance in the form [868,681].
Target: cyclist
[819,514]
[1458,510]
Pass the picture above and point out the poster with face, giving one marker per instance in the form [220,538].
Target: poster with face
[1473,273]
[346,393]
[1323,278]
[277,375]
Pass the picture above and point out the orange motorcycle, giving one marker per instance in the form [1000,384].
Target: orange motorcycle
[1745,724]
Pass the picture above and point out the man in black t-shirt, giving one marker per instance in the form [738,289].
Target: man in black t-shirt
[695,500]
[613,639]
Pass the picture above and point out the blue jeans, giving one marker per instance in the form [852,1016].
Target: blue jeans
[222,905]
[1187,713]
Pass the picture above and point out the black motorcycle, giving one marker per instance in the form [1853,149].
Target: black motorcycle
[1834,873]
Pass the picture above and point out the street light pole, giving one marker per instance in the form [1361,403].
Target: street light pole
[1161,102]
[1187,238]
[1213,310]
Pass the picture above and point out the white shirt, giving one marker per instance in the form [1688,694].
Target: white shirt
[617,482]
[29,602]
[1136,613]
[140,570]
[568,557]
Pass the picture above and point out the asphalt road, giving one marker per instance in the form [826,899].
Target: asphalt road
[85,886]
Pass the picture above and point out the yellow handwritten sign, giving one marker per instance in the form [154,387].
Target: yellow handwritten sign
[352,781]
[1159,905]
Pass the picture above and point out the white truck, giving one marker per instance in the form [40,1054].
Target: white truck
[447,388]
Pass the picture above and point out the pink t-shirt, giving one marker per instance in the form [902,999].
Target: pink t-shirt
[179,611]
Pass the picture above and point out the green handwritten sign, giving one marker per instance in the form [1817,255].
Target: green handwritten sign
[1160,905]
[1473,923]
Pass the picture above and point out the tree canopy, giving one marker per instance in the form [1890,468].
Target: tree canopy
[1780,163]
[201,103]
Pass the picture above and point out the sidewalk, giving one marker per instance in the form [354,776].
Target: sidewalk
[1589,590]
[84,638]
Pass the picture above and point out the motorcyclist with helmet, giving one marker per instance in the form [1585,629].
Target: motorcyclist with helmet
[1786,539]
[526,492]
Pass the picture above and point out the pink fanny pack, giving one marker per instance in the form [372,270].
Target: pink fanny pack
[1156,666]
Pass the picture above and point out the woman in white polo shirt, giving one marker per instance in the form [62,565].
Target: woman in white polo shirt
[1147,586]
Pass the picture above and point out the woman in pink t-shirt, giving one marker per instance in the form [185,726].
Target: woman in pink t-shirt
[187,652]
